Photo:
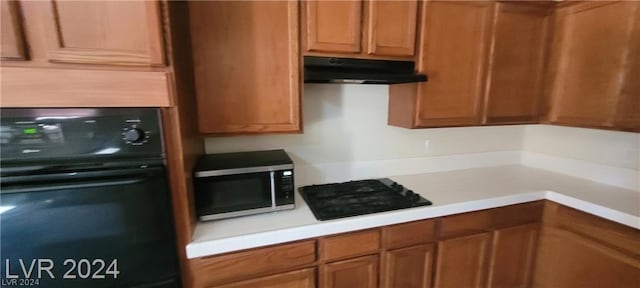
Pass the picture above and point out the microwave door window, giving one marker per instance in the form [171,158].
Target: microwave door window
[235,193]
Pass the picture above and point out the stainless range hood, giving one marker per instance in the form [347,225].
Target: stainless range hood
[359,71]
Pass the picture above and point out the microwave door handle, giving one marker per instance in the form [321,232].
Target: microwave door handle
[272,176]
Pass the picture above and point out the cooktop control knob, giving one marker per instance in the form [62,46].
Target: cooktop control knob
[134,136]
[412,196]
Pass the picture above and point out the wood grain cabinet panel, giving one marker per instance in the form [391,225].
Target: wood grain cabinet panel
[517,63]
[247,73]
[391,27]
[462,262]
[588,62]
[12,42]
[512,255]
[566,259]
[297,279]
[333,26]
[408,234]
[79,88]
[244,265]
[627,114]
[408,267]
[104,32]
[454,57]
[349,245]
[353,273]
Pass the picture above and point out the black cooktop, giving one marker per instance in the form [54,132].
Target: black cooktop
[338,200]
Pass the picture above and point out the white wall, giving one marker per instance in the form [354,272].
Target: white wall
[346,123]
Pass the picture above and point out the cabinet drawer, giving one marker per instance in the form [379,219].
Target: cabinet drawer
[486,220]
[464,224]
[519,214]
[232,267]
[408,234]
[305,278]
[348,245]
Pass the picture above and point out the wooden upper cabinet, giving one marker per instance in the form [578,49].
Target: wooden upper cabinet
[589,60]
[13,43]
[515,77]
[333,26]
[391,27]
[103,32]
[627,113]
[247,73]
[454,52]
[360,28]
[462,262]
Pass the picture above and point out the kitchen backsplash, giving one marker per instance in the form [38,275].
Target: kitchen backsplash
[612,148]
[346,124]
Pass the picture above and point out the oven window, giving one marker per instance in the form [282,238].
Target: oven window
[230,193]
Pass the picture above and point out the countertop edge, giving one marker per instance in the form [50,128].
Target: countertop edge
[260,239]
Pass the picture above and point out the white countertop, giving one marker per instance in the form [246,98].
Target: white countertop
[451,192]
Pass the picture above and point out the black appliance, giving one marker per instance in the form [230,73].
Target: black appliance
[84,191]
[359,71]
[339,200]
[243,183]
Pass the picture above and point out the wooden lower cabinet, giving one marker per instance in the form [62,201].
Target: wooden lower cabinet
[577,249]
[359,272]
[566,259]
[502,258]
[408,267]
[462,261]
[501,247]
[512,254]
[305,278]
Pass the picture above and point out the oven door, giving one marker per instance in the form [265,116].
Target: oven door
[235,195]
[101,229]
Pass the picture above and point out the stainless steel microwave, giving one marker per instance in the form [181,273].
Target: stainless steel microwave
[237,184]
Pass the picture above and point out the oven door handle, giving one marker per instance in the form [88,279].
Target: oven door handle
[70,185]
[81,176]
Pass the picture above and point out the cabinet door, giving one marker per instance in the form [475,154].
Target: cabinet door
[454,57]
[462,262]
[588,62]
[512,255]
[297,279]
[391,28]
[12,41]
[565,259]
[354,273]
[246,72]
[332,26]
[516,69]
[408,267]
[104,32]
[627,115]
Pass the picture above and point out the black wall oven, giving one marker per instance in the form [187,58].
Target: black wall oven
[84,200]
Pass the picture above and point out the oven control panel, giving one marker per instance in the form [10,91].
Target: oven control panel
[74,132]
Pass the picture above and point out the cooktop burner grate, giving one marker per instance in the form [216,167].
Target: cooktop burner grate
[338,200]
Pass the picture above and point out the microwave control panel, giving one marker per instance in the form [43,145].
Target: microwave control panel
[287,187]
